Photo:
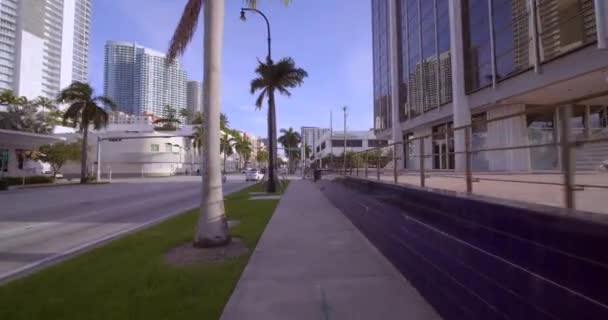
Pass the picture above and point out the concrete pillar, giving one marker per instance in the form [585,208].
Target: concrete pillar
[587,121]
[397,136]
[460,105]
[13,168]
[601,18]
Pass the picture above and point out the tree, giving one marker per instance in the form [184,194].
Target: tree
[169,121]
[59,153]
[261,157]
[22,114]
[186,114]
[275,77]
[226,147]
[197,118]
[212,228]
[85,110]
[197,138]
[290,141]
[46,104]
[243,147]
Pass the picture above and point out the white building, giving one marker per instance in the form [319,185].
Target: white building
[195,96]
[356,141]
[445,64]
[44,45]
[140,80]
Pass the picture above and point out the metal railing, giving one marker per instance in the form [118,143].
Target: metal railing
[386,163]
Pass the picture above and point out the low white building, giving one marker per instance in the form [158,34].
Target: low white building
[332,143]
[130,146]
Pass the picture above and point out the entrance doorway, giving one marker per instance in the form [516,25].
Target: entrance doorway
[443,146]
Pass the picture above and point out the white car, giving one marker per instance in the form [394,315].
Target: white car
[253,175]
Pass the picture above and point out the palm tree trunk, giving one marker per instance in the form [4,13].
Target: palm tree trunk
[272,150]
[225,161]
[83,155]
[212,229]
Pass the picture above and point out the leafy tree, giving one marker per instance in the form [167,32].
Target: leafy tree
[186,114]
[85,110]
[261,157]
[197,118]
[272,77]
[59,153]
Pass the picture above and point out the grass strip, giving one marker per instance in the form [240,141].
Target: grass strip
[129,279]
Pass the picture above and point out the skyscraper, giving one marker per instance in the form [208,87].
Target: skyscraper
[45,45]
[195,96]
[140,80]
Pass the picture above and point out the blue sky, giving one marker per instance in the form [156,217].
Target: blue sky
[331,39]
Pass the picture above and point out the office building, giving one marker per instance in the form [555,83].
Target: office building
[141,81]
[44,45]
[195,97]
[445,64]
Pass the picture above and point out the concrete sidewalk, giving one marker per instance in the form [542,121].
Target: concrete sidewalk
[312,263]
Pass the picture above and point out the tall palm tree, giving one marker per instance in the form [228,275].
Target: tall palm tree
[279,77]
[243,147]
[212,228]
[226,147]
[290,141]
[85,110]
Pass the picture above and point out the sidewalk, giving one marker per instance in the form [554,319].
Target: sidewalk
[312,263]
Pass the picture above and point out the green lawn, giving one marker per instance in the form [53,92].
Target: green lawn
[128,279]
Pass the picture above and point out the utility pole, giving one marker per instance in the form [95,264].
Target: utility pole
[344,155]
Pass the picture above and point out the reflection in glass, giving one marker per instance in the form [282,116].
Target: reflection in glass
[381,59]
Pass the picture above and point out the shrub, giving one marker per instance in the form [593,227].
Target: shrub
[15,181]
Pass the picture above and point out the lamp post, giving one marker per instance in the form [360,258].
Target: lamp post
[244,18]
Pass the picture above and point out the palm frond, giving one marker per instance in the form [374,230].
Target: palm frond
[185,29]
[257,84]
[72,114]
[260,100]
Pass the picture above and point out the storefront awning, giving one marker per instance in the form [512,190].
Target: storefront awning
[25,140]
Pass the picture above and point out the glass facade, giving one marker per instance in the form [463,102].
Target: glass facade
[424,51]
[563,25]
[381,56]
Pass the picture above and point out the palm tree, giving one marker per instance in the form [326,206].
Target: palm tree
[186,114]
[169,121]
[212,229]
[226,147]
[275,77]
[84,111]
[22,114]
[46,104]
[290,141]
[243,147]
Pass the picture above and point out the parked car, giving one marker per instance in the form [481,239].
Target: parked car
[245,170]
[253,175]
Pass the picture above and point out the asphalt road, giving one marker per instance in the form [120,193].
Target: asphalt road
[41,225]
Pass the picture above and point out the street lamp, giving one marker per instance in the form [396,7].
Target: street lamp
[244,18]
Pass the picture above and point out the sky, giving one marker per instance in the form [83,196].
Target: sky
[330,39]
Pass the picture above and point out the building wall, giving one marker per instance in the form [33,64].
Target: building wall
[195,96]
[140,80]
[463,57]
[38,52]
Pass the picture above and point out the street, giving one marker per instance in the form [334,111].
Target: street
[41,225]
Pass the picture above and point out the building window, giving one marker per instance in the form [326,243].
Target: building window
[337,143]
[168,147]
[354,143]
[381,60]
[424,56]
[565,25]
[477,49]
[377,143]
[154,148]
[322,146]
